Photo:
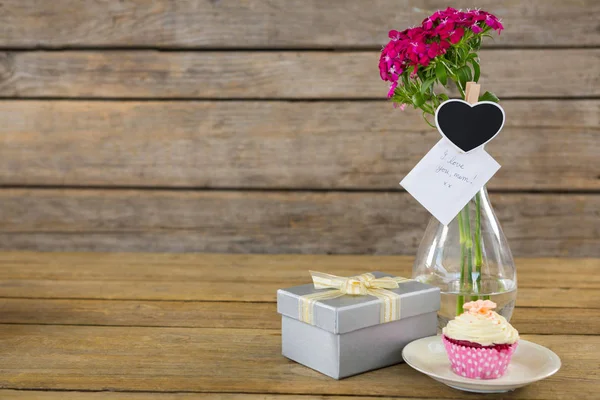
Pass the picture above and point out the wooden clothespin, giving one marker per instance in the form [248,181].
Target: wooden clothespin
[472,92]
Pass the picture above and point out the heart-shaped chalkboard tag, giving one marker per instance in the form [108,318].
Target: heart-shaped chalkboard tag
[469,126]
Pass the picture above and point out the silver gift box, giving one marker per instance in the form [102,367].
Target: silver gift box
[347,337]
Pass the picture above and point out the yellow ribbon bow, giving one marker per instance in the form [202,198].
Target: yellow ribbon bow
[361,285]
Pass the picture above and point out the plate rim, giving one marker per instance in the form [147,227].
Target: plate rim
[484,382]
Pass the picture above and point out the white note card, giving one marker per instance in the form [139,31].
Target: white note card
[445,179]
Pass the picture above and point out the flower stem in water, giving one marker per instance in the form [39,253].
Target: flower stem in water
[468,283]
[461,298]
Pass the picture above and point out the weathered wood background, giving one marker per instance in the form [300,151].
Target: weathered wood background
[262,126]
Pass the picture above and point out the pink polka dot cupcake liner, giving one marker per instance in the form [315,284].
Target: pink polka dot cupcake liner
[478,363]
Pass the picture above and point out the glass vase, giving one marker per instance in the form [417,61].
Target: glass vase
[469,259]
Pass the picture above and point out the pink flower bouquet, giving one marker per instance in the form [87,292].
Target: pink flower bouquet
[443,48]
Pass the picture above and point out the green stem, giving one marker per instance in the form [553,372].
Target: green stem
[460,89]
[468,283]
[461,298]
[478,244]
[426,120]
[479,248]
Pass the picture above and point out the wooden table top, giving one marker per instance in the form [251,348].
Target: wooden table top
[203,326]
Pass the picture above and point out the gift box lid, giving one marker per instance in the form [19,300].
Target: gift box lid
[348,313]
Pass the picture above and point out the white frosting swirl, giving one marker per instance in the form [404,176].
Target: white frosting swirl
[486,329]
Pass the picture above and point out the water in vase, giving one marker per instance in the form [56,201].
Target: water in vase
[503,292]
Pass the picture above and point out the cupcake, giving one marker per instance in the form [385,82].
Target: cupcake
[480,342]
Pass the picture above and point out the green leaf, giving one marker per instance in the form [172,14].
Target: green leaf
[427,84]
[405,79]
[427,120]
[443,97]
[440,74]
[476,70]
[418,100]
[489,96]
[464,75]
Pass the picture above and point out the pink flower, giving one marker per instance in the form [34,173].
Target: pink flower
[417,47]
[427,23]
[444,28]
[394,35]
[434,49]
[400,106]
[444,45]
[493,23]
[479,16]
[416,34]
[436,15]
[462,19]
[383,71]
[456,35]
[393,87]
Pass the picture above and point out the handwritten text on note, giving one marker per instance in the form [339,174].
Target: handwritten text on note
[445,179]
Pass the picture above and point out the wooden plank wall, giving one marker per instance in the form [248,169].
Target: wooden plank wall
[261,126]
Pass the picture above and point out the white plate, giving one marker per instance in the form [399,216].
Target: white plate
[530,363]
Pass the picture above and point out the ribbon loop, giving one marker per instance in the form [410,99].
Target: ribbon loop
[361,285]
[327,281]
[386,282]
